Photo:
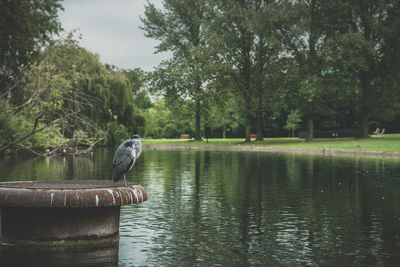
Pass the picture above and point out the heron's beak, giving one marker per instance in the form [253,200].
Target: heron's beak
[142,139]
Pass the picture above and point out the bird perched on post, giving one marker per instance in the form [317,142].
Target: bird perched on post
[125,157]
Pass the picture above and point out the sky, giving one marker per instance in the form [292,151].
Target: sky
[110,28]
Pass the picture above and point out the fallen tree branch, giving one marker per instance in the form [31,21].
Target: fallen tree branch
[33,131]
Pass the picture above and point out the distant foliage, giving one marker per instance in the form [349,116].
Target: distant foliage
[163,121]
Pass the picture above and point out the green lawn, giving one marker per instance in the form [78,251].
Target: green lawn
[385,143]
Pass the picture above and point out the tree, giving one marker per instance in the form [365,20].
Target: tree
[266,61]
[70,97]
[51,99]
[305,28]
[223,114]
[138,79]
[25,27]
[245,48]
[179,28]
[292,122]
[366,54]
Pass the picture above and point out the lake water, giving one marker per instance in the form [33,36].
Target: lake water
[210,208]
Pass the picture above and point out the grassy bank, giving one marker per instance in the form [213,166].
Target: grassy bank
[383,143]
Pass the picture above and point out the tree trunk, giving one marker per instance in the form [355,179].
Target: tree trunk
[197,135]
[364,114]
[224,132]
[260,123]
[310,129]
[248,113]
[364,124]
[247,130]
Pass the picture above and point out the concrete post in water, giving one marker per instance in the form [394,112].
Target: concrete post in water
[73,212]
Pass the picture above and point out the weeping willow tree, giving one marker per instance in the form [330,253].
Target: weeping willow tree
[68,101]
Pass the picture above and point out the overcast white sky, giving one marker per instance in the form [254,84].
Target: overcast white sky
[110,28]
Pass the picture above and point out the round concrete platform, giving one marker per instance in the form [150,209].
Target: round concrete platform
[68,212]
[70,194]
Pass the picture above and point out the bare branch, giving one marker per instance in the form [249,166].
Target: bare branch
[32,132]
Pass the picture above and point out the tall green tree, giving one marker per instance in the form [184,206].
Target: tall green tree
[245,48]
[368,54]
[267,50]
[305,28]
[179,28]
[25,27]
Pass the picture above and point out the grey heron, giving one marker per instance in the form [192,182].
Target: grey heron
[125,157]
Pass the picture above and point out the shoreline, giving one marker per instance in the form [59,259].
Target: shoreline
[308,151]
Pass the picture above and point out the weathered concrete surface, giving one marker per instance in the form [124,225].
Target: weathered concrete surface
[56,224]
[70,194]
[57,213]
[313,151]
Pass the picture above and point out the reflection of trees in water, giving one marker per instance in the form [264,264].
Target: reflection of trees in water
[309,169]
[36,256]
[49,168]
[81,168]
[253,208]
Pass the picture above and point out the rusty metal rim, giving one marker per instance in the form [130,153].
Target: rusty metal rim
[86,193]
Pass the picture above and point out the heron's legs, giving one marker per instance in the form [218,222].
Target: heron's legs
[124,180]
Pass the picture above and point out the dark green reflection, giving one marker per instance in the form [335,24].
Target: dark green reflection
[241,208]
[247,208]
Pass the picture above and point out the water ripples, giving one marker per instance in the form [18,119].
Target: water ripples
[240,208]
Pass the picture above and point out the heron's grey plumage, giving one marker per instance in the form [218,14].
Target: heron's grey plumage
[125,157]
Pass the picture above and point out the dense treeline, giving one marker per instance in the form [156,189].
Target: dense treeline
[333,64]
[237,67]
